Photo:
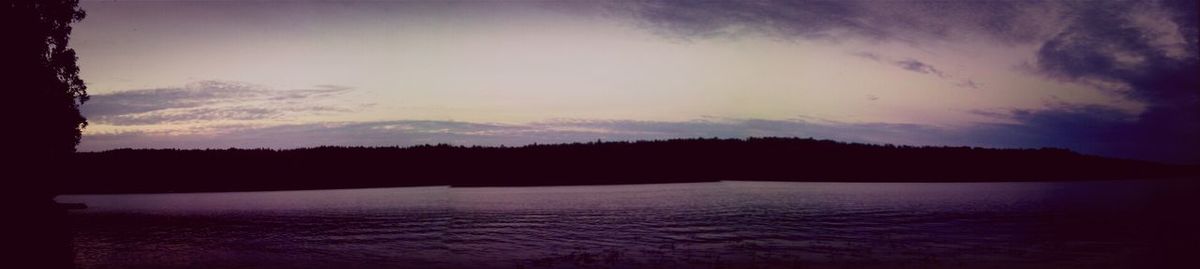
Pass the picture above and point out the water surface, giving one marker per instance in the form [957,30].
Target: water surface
[1102,224]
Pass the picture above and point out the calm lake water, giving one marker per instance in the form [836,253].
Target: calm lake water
[1110,224]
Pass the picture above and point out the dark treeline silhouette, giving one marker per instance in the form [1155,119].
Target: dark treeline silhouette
[42,92]
[680,160]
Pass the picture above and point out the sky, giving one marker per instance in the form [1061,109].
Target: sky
[1099,77]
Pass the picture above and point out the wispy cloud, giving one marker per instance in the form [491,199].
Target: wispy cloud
[389,133]
[968,83]
[208,101]
[1108,44]
[914,65]
[904,21]
[1090,129]
[919,67]
[1090,42]
[1150,49]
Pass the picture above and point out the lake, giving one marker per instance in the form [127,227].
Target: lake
[729,224]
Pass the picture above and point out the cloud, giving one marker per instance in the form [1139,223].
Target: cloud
[1155,135]
[1103,42]
[1149,44]
[905,21]
[1112,44]
[968,83]
[403,133]
[919,67]
[1088,129]
[806,19]
[207,101]
[914,65]
[869,56]
[1145,51]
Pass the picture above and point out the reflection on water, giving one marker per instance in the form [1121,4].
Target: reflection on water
[708,225]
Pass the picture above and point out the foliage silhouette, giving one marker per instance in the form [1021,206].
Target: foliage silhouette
[679,160]
[42,91]
[43,82]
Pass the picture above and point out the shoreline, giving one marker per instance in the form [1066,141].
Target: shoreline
[1178,179]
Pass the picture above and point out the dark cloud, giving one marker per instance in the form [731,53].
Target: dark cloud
[1089,42]
[1155,135]
[807,19]
[1106,42]
[1099,40]
[914,65]
[138,101]
[195,114]
[906,21]
[207,100]
[919,67]
[1145,51]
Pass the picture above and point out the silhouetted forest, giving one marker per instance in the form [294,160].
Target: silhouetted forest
[42,93]
[680,160]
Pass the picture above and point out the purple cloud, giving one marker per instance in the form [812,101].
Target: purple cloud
[206,101]
[919,67]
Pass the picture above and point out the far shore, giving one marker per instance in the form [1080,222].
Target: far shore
[642,183]
[595,163]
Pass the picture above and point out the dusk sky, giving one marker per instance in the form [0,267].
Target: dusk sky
[1100,77]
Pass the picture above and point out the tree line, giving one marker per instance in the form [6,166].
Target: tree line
[660,161]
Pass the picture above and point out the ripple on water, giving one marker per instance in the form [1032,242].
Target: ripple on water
[723,224]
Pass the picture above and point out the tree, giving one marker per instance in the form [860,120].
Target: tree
[40,95]
[41,84]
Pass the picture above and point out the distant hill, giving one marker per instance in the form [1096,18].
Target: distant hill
[678,160]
